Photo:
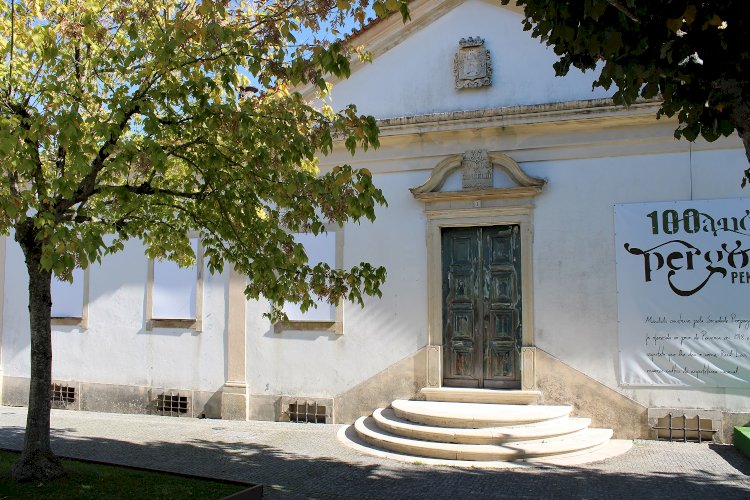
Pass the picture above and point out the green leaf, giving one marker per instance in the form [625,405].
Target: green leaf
[647,49]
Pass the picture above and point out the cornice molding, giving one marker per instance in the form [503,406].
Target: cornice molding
[482,194]
[518,115]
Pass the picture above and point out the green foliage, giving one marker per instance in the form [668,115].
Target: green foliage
[88,480]
[128,119]
[693,55]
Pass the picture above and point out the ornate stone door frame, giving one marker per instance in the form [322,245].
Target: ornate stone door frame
[470,208]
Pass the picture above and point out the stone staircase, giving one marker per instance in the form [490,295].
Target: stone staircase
[479,427]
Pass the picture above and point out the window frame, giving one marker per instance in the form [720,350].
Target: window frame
[336,325]
[195,324]
[83,320]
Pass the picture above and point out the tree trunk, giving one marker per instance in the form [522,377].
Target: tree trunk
[740,117]
[37,462]
[744,132]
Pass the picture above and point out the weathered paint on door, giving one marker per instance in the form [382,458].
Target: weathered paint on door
[482,306]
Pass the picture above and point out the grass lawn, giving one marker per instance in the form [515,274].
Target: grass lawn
[85,480]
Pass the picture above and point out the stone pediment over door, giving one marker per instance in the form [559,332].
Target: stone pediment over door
[477,173]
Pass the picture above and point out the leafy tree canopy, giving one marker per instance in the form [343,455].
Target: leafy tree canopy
[693,55]
[138,118]
[153,119]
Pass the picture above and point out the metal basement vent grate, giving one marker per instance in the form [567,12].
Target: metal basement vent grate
[172,405]
[682,428]
[306,412]
[63,394]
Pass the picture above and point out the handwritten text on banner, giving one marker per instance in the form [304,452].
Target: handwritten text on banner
[683,281]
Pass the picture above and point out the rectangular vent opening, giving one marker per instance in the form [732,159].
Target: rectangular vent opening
[682,428]
[63,394]
[172,405]
[306,412]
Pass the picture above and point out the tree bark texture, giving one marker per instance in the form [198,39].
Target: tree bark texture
[739,116]
[742,124]
[37,462]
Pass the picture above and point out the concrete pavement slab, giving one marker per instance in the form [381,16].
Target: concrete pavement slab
[307,461]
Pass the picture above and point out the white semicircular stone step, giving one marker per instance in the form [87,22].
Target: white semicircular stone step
[472,395]
[612,448]
[368,430]
[389,421]
[475,415]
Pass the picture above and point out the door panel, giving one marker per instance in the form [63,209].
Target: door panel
[463,343]
[501,269]
[482,306]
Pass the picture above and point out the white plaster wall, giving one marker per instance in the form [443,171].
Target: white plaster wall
[385,331]
[575,290]
[416,76]
[116,348]
[575,299]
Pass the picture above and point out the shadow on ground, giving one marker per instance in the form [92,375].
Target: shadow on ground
[287,475]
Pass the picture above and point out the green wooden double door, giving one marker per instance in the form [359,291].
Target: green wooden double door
[482,306]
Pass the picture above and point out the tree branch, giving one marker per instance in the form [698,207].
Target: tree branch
[147,189]
[13,182]
[12,44]
[617,5]
[87,186]
[23,113]
[60,160]
[77,63]
[172,121]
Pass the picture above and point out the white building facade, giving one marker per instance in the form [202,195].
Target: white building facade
[499,239]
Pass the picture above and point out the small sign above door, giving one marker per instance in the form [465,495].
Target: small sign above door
[477,170]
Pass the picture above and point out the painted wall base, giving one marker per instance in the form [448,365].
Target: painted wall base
[115,398]
[607,408]
[234,402]
[264,407]
[558,382]
[402,380]
[562,384]
[730,420]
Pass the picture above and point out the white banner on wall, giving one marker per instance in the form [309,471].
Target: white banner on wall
[683,292]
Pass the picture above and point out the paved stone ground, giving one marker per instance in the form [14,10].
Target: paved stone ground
[307,461]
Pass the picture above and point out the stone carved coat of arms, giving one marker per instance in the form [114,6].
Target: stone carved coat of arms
[471,65]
